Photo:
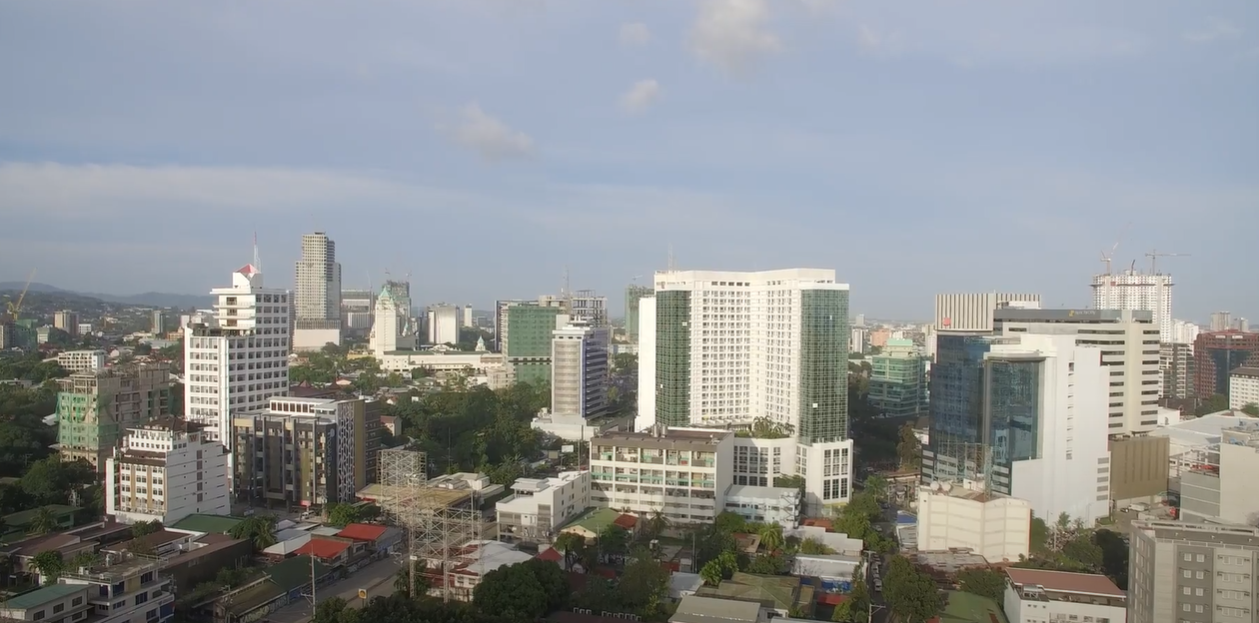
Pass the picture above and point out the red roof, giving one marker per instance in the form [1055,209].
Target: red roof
[830,599]
[322,548]
[1065,582]
[362,532]
[550,555]
[626,521]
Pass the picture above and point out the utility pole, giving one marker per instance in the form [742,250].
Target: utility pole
[871,607]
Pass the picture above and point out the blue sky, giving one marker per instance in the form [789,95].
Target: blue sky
[484,145]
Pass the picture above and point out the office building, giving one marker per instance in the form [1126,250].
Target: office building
[680,472]
[443,324]
[500,322]
[1221,321]
[67,321]
[997,527]
[1131,290]
[527,340]
[1022,416]
[1129,343]
[236,357]
[1243,388]
[81,360]
[392,328]
[1222,489]
[723,349]
[167,470]
[1194,572]
[1175,361]
[898,380]
[1042,595]
[588,307]
[1217,354]
[579,370]
[356,311]
[95,408]
[632,295]
[537,507]
[277,448]
[317,294]
[972,312]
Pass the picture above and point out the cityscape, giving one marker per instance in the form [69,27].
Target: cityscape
[809,327]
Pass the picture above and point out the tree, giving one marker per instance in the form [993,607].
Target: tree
[1039,536]
[1251,409]
[730,523]
[258,528]
[645,585]
[402,583]
[85,559]
[330,610]
[47,481]
[44,521]
[815,547]
[656,524]
[908,448]
[144,528]
[877,486]
[711,573]
[50,566]
[767,564]
[910,593]
[573,545]
[1217,402]
[517,592]
[982,582]
[843,612]
[1114,556]
[1081,549]
[342,515]
[613,541]
[859,599]
[772,537]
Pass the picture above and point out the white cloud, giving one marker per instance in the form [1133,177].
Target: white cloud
[731,34]
[640,96]
[635,34]
[819,7]
[1215,29]
[492,138]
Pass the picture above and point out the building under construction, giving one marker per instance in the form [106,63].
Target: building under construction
[95,408]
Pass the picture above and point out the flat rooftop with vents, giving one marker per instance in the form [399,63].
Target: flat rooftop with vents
[1084,588]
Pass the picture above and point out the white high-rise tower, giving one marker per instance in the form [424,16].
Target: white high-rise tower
[317,294]
[1138,291]
[236,357]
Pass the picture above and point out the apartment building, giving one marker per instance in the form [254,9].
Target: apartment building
[1192,572]
[579,370]
[1243,387]
[236,356]
[125,589]
[443,324]
[537,507]
[56,603]
[633,294]
[166,470]
[303,451]
[1130,348]
[81,360]
[681,472]
[317,294]
[1040,596]
[95,408]
[1176,370]
[526,339]
[772,505]
[67,321]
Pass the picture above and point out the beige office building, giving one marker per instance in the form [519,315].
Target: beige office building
[1193,573]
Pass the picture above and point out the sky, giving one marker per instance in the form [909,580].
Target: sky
[487,147]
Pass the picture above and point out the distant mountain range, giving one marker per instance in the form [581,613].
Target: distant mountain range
[148,299]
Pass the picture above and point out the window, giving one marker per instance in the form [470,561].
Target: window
[58,608]
[38,616]
[1202,558]
[1188,557]
[1186,573]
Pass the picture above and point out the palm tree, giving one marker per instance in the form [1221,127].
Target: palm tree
[772,537]
[44,521]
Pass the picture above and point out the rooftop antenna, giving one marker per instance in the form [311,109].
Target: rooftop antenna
[671,265]
[257,257]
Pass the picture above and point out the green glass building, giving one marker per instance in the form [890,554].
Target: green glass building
[898,380]
[529,349]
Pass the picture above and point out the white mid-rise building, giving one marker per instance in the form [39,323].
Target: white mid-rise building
[81,360]
[317,294]
[972,311]
[392,329]
[579,370]
[1040,596]
[236,358]
[1185,332]
[443,324]
[1136,291]
[467,317]
[1243,388]
[770,505]
[537,507]
[723,349]
[680,472]
[167,470]
[996,527]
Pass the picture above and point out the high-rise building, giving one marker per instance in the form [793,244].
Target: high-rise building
[1185,332]
[579,370]
[166,470]
[1243,388]
[467,316]
[160,323]
[67,321]
[1137,291]
[898,379]
[1021,416]
[860,321]
[1129,343]
[1176,369]
[1221,321]
[296,444]
[317,294]
[1241,324]
[1198,572]
[721,349]
[588,307]
[392,328]
[500,322]
[356,311]
[237,356]
[529,348]
[971,312]
[81,360]
[1217,354]
[443,324]
[95,408]
[632,295]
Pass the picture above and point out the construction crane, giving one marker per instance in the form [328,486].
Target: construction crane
[1107,257]
[16,308]
[1154,255]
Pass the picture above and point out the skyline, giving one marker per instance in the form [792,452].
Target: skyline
[486,154]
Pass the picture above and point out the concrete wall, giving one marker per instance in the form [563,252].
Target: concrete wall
[1138,468]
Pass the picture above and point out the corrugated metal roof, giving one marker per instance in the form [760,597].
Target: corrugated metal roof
[41,596]
[362,532]
[284,548]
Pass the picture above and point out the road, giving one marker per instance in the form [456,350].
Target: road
[377,578]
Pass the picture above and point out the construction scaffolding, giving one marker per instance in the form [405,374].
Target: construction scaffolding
[437,530]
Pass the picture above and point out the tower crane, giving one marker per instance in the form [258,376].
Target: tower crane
[1154,255]
[16,308]
[1107,257]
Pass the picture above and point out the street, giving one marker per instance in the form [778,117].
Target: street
[377,578]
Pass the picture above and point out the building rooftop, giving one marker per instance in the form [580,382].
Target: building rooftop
[1246,371]
[1065,583]
[41,596]
[771,591]
[482,557]
[22,518]
[363,532]
[699,609]
[750,491]
[1201,431]
[594,520]
[207,523]
[962,607]
[170,423]
[323,548]
[1212,535]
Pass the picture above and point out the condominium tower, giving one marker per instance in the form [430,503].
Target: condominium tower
[317,294]
[236,357]
[1137,291]
[1192,572]
[579,370]
[726,349]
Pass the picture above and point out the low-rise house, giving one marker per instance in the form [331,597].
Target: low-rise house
[775,594]
[202,559]
[1059,595]
[21,521]
[380,540]
[332,551]
[699,609]
[537,506]
[478,558]
[23,552]
[834,570]
[59,603]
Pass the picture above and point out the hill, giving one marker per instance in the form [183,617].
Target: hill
[146,299]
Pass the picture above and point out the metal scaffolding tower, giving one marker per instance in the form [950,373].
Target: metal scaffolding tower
[436,531]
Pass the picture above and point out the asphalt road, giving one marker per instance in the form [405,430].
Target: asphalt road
[377,578]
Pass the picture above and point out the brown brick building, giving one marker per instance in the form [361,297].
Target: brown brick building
[1216,354]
